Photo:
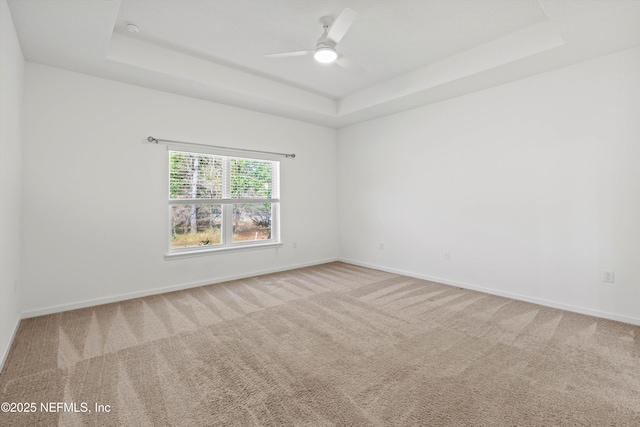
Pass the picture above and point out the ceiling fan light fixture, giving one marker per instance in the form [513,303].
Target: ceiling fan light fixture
[325,55]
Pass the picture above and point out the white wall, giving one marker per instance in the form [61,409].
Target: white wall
[95,196]
[533,187]
[11,105]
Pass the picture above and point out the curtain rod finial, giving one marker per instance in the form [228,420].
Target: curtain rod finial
[152,139]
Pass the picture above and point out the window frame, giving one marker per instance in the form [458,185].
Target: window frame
[227,203]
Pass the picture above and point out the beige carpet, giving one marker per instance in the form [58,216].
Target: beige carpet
[333,344]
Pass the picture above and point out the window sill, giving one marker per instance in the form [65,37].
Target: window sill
[213,251]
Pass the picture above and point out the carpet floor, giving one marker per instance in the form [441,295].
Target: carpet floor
[334,344]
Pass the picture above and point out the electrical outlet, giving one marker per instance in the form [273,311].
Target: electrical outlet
[447,255]
[381,245]
[608,276]
[295,245]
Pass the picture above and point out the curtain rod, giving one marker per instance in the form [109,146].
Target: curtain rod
[158,140]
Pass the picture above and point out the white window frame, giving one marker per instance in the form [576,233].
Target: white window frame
[227,244]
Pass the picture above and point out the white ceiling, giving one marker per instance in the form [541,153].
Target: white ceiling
[415,51]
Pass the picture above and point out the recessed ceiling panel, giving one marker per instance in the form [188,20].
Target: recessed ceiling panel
[388,38]
[415,52]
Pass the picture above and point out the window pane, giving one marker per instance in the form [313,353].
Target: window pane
[251,179]
[195,225]
[251,221]
[194,176]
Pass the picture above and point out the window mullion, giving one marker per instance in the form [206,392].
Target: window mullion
[226,178]
[227,209]
[227,224]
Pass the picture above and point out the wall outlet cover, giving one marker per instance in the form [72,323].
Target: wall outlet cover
[608,276]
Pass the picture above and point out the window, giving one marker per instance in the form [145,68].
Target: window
[219,202]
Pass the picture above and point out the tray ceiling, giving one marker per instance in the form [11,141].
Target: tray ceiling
[415,52]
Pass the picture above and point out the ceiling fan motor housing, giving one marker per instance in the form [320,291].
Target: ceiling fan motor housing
[325,48]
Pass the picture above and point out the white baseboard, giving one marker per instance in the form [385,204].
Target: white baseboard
[539,301]
[155,291]
[5,352]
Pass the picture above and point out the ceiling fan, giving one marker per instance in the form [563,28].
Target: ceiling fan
[325,51]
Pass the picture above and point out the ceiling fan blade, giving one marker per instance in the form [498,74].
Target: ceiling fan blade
[287,54]
[349,65]
[341,25]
